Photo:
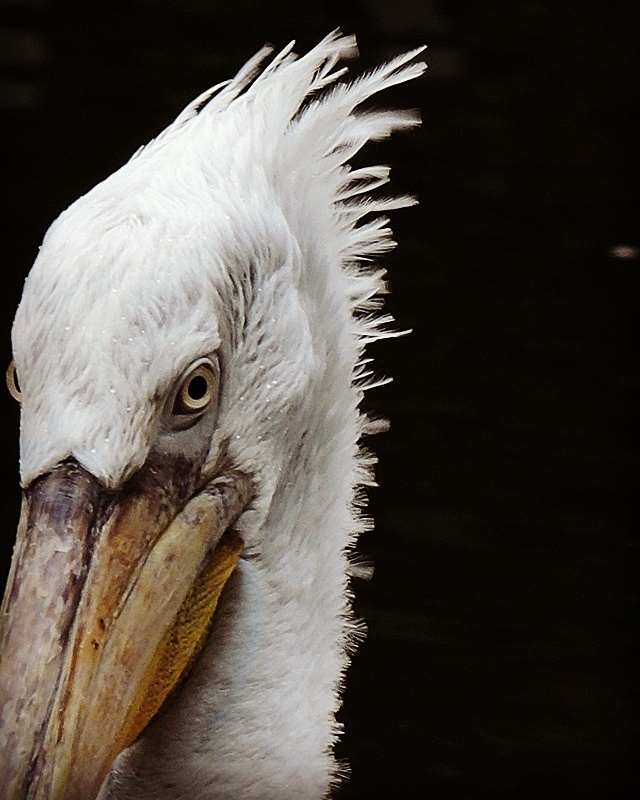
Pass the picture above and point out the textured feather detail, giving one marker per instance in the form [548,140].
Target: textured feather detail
[309,127]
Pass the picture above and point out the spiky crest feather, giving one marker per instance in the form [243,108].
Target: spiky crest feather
[311,137]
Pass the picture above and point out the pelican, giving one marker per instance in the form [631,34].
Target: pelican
[188,355]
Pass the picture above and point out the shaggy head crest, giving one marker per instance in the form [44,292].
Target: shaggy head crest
[293,125]
[288,130]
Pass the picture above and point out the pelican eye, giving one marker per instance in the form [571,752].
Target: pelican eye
[12,382]
[197,390]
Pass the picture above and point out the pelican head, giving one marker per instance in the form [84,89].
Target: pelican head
[188,349]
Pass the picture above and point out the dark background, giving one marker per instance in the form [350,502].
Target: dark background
[501,655]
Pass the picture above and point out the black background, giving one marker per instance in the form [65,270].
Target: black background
[501,655]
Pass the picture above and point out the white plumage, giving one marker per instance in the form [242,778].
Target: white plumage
[235,235]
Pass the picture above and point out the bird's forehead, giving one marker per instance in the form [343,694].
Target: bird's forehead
[110,317]
[125,288]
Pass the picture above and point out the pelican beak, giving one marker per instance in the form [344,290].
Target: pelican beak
[110,598]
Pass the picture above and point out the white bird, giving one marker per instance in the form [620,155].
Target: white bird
[188,349]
